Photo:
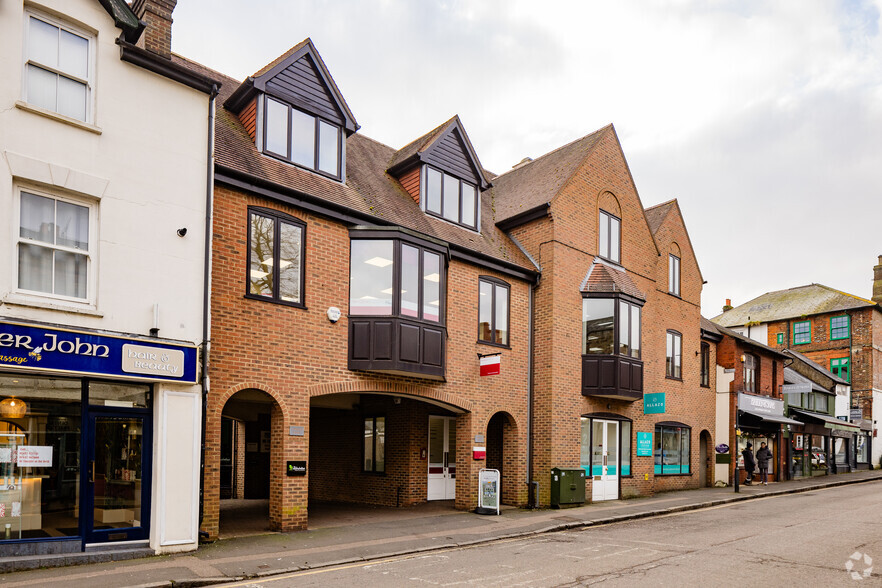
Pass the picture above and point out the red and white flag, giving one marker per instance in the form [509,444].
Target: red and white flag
[490,365]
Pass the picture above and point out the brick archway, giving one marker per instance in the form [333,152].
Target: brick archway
[392,388]
[502,443]
[281,515]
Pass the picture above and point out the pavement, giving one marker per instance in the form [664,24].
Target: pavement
[385,533]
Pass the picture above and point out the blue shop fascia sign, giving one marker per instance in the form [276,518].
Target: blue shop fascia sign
[50,349]
[654,403]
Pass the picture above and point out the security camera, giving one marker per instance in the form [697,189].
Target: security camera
[182,232]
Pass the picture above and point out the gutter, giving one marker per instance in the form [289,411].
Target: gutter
[206,296]
[166,67]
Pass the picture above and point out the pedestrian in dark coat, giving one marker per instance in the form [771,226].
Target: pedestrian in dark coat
[763,456]
[749,463]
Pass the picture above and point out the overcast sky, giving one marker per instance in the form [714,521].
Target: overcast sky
[763,118]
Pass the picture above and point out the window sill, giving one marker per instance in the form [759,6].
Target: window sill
[15,299]
[676,379]
[675,295]
[20,104]
[492,344]
[274,301]
[672,475]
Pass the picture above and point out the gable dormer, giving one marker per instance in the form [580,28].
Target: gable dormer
[441,171]
[293,111]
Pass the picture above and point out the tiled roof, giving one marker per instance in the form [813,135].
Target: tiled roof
[535,183]
[707,325]
[604,278]
[368,190]
[281,58]
[816,366]
[656,214]
[420,144]
[792,303]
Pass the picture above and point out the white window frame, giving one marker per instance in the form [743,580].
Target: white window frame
[91,254]
[673,274]
[89,35]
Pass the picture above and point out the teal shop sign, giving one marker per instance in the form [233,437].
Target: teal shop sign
[654,403]
[644,444]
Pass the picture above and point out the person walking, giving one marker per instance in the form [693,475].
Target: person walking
[749,464]
[763,456]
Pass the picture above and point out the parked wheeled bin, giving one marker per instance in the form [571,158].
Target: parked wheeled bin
[567,487]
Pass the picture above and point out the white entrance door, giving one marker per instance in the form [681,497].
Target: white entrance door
[604,460]
[442,458]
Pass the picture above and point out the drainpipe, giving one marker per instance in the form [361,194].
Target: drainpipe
[206,295]
[533,486]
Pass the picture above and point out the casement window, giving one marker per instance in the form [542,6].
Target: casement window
[610,326]
[705,365]
[672,444]
[374,444]
[750,371]
[780,339]
[840,327]
[674,275]
[56,244]
[840,367]
[275,257]
[451,198]
[493,311]
[301,138]
[59,67]
[802,332]
[389,277]
[609,232]
[674,347]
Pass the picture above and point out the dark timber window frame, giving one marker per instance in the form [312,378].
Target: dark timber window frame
[674,368]
[612,371]
[494,334]
[605,249]
[278,219]
[460,183]
[705,365]
[684,432]
[288,156]
[373,420]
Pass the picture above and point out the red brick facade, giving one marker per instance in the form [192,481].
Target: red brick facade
[565,244]
[295,354]
[861,348]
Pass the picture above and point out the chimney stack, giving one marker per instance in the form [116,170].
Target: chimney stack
[158,16]
[728,305]
[877,282]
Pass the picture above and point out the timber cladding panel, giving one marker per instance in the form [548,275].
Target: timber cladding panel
[301,83]
[450,154]
[287,352]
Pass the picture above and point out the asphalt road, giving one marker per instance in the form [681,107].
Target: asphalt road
[803,539]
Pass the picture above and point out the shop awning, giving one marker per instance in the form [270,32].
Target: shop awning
[828,421]
[770,418]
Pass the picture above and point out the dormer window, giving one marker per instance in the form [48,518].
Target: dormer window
[301,138]
[451,198]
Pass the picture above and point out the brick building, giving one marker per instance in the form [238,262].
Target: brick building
[750,406]
[618,353]
[354,289]
[839,331]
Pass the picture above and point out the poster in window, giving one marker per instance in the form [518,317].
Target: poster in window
[799,442]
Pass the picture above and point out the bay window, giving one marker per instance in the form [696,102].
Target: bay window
[396,303]
[611,349]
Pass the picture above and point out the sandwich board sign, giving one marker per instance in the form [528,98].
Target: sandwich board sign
[488,492]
